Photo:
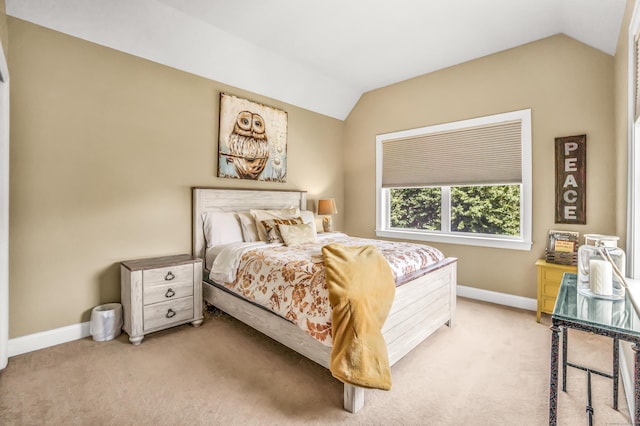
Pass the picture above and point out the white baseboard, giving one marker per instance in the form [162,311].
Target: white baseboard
[45,339]
[498,298]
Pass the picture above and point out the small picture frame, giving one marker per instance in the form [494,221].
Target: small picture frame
[564,241]
[562,247]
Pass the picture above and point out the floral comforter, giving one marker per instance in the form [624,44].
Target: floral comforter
[290,281]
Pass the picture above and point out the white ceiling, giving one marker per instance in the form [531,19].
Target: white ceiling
[324,55]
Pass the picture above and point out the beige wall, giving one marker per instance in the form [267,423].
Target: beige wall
[104,150]
[569,88]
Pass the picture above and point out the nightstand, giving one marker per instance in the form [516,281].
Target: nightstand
[549,278]
[159,293]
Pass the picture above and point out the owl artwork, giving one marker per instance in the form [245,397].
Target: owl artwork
[252,141]
[248,145]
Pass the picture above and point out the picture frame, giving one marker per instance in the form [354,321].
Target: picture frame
[252,140]
[562,247]
[563,241]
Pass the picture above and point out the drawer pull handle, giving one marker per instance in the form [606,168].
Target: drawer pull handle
[169,276]
[169,293]
[171,313]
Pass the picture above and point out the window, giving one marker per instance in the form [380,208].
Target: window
[467,182]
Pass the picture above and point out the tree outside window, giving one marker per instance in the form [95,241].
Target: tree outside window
[478,209]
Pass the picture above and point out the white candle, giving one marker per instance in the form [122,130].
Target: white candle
[601,277]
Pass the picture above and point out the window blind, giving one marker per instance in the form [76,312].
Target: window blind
[488,154]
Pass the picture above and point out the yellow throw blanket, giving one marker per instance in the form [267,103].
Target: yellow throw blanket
[361,290]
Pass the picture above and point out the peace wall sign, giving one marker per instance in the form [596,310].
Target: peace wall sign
[571,179]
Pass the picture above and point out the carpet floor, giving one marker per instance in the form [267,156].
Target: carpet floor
[492,368]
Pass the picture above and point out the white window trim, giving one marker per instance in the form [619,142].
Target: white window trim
[515,243]
[4,209]
[633,158]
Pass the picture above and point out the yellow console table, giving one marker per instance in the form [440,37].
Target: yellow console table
[549,278]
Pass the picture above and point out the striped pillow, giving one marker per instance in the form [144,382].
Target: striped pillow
[271,228]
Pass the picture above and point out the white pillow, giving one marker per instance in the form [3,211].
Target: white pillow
[248,225]
[221,228]
[260,215]
[309,217]
[298,234]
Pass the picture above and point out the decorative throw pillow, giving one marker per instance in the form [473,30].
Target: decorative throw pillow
[260,215]
[271,228]
[298,234]
[248,224]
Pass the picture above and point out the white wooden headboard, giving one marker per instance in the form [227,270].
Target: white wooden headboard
[234,200]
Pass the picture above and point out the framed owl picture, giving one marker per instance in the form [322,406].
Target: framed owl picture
[252,140]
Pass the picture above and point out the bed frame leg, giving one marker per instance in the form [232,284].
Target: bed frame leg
[453,293]
[452,320]
[353,398]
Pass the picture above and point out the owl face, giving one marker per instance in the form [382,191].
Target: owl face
[250,124]
[248,145]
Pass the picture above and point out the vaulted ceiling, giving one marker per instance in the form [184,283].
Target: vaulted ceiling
[324,55]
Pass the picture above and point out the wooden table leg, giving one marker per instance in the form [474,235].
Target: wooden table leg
[553,380]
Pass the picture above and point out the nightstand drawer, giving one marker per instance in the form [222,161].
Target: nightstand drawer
[168,275]
[549,278]
[550,288]
[552,274]
[166,292]
[166,313]
[547,304]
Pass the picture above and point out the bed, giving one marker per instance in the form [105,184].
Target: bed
[420,307]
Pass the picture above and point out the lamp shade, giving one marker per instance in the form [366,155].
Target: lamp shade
[327,206]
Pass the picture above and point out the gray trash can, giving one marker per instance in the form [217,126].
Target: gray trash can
[106,322]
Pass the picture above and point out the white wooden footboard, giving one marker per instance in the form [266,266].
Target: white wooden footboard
[420,307]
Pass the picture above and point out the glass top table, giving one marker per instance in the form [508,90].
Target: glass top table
[614,315]
[617,319]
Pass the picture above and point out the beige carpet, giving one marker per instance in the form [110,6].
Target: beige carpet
[491,369]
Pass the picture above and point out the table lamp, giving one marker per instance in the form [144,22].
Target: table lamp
[327,207]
